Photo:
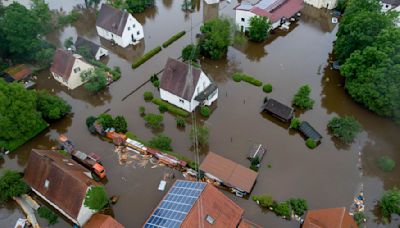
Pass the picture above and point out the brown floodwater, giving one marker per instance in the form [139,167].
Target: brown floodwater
[328,176]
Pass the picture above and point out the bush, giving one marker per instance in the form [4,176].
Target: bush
[173,39]
[190,52]
[267,88]
[130,135]
[68,42]
[96,198]
[216,38]
[302,98]
[282,209]
[106,120]
[264,201]
[172,108]
[148,96]
[345,128]
[205,111]
[116,71]
[142,110]
[162,108]
[180,122]
[47,214]
[255,163]
[386,164]
[161,142]
[120,124]
[156,84]
[360,218]
[311,143]
[202,135]
[90,121]
[390,203]
[95,80]
[259,28]
[295,123]
[11,185]
[246,78]
[51,107]
[146,57]
[299,206]
[237,77]
[153,120]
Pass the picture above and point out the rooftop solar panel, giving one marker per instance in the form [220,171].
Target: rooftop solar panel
[175,206]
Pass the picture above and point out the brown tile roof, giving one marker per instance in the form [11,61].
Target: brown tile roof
[174,79]
[102,221]
[329,218]
[214,203]
[112,19]
[248,224]
[19,71]
[231,173]
[67,180]
[63,62]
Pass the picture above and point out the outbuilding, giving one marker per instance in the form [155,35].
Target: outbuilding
[96,51]
[277,109]
[309,132]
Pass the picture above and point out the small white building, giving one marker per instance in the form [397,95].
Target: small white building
[277,11]
[96,51]
[328,4]
[61,182]
[185,90]
[118,26]
[67,68]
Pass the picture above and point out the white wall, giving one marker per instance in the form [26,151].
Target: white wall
[329,4]
[74,79]
[175,100]
[84,213]
[211,1]
[246,15]
[101,52]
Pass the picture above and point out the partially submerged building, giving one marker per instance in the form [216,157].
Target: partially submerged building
[277,109]
[184,89]
[61,182]
[228,173]
[118,26]
[309,132]
[257,150]
[330,217]
[19,72]
[195,204]
[96,51]
[102,221]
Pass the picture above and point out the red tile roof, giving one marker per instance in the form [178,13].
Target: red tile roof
[19,71]
[63,62]
[248,224]
[331,217]
[102,221]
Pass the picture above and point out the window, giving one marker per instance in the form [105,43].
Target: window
[138,33]
[243,19]
[210,219]
[182,101]
[77,70]
[129,28]
[46,183]
[134,25]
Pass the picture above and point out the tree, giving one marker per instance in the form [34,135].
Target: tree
[120,124]
[202,134]
[216,38]
[299,206]
[302,98]
[264,201]
[11,185]
[259,28]
[390,203]
[90,121]
[153,120]
[106,120]
[96,198]
[138,6]
[345,128]
[190,52]
[46,213]
[161,142]
[68,42]
[282,209]
[51,107]
[386,164]
[44,56]
[95,79]
[41,11]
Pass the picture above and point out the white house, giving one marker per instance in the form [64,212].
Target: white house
[185,90]
[277,11]
[118,26]
[67,68]
[328,4]
[211,1]
[61,182]
[96,51]
[389,5]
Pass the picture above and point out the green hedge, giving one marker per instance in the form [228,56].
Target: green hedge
[146,57]
[171,108]
[14,144]
[173,39]
[237,77]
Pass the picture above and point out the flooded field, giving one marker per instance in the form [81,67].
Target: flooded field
[328,176]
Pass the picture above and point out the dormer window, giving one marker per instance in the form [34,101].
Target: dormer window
[210,219]
[46,183]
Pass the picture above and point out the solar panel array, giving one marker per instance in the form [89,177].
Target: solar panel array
[175,206]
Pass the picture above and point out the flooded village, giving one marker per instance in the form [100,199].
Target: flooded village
[144,182]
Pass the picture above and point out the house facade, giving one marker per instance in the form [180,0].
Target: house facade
[328,4]
[67,68]
[390,5]
[277,12]
[61,182]
[118,26]
[184,90]
[95,50]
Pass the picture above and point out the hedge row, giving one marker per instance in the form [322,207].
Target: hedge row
[173,39]
[171,108]
[247,78]
[146,57]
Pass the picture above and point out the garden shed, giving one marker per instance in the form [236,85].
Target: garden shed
[277,109]
[309,132]
[257,150]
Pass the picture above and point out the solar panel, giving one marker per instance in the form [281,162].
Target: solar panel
[175,206]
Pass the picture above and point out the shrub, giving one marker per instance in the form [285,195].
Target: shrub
[90,121]
[311,143]
[142,110]
[360,218]
[237,77]
[146,57]
[51,107]
[95,80]
[267,88]
[216,38]
[255,163]
[162,108]
[106,120]
[173,39]
[161,142]
[282,209]
[156,84]
[302,98]
[205,111]
[386,164]
[148,96]
[299,206]
[153,120]
[130,135]
[47,214]
[202,134]
[345,128]
[390,203]
[180,122]
[68,42]
[190,52]
[120,124]
[259,28]
[295,123]
[11,185]
[171,108]
[96,198]
[264,201]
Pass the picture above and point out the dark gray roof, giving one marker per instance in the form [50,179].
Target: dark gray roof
[257,150]
[82,43]
[392,2]
[309,131]
[278,109]
[206,93]
[175,79]
[112,19]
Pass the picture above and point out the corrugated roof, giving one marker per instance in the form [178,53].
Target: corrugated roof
[82,43]
[67,181]
[309,131]
[175,76]
[229,172]
[277,108]
[102,221]
[331,217]
[19,72]
[63,62]
[112,19]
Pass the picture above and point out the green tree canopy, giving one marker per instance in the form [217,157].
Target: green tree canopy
[345,128]
[96,198]
[120,124]
[302,98]
[95,79]
[217,38]
[190,52]
[161,142]
[138,6]
[106,120]
[153,120]
[51,107]
[259,28]
[390,203]
[11,185]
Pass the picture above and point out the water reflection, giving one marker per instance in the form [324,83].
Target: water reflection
[210,11]
[129,53]
[320,18]
[167,3]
